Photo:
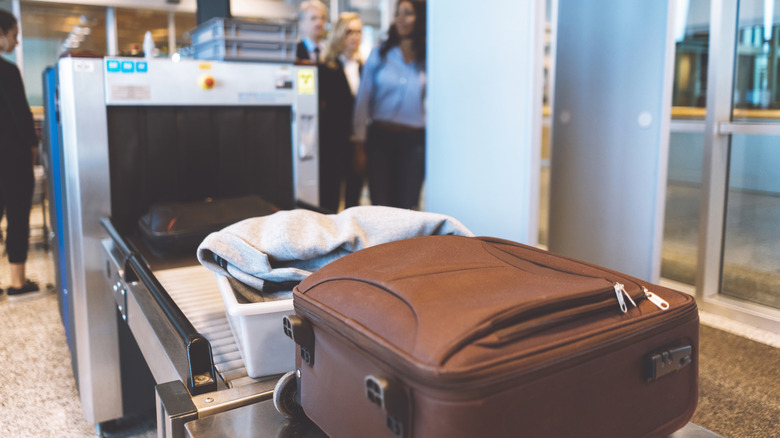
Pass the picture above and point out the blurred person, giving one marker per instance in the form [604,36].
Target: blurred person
[18,151]
[312,18]
[340,161]
[390,110]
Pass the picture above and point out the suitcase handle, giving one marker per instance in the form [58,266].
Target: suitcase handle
[389,396]
[302,333]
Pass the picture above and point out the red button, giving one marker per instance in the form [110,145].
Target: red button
[207,82]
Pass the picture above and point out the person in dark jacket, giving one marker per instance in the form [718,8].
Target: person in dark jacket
[18,150]
[341,163]
[312,18]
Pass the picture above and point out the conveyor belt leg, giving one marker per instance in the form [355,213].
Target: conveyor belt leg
[174,408]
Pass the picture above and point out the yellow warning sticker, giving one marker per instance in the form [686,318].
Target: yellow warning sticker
[306,81]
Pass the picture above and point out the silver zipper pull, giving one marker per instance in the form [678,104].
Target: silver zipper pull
[629,297]
[655,299]
[619,291]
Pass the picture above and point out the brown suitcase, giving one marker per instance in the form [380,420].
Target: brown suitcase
[447,336]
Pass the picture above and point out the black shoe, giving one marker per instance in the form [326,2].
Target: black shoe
[28,287]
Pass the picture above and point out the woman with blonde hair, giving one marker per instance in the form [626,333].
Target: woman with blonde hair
[340,162]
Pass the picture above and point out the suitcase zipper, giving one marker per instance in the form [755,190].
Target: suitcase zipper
[570,311]
[596,272]
[655,299]
[620,290]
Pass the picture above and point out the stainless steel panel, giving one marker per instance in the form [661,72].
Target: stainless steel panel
[260,420]
[306,135]
[114,270]
[174,409]
[87,198]
[162,349]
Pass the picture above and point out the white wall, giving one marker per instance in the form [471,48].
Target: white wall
[484,101]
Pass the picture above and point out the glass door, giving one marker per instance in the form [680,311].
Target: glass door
[686,142]
[722,226]
[751,247]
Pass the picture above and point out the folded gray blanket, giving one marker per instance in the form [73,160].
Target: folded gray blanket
[287,246]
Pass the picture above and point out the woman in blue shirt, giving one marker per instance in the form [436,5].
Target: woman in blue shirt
[390,110]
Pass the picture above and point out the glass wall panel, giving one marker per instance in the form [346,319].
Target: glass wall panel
[751,248]
[132,25]
[50,29]
[757,74]
[544,173]
[185,23]
[751,259]
[692,32]
[681,221]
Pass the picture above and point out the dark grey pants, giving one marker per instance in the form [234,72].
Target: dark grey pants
[395,166]
[16,190]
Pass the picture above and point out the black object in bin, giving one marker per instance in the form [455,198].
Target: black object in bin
[176,228]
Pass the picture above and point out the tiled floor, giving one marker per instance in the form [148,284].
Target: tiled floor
[38,396]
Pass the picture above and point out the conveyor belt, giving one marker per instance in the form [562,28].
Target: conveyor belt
[194,289]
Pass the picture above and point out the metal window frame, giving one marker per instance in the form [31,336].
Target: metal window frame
[718,128]
[747,128]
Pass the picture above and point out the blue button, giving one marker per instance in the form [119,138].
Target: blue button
[128,66]
[112,65]
[141,67]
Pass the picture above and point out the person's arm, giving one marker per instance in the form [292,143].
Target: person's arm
[359,158]
[21,113]
[27,127]
[363,99]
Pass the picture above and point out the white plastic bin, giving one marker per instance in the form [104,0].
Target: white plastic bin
[257,328]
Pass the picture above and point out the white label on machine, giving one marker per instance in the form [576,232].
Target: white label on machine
[83,66]
[131,92]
